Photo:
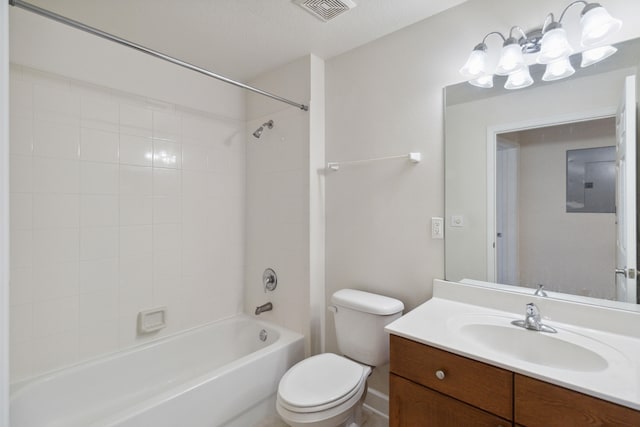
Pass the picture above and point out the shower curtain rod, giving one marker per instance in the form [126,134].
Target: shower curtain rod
[80,26]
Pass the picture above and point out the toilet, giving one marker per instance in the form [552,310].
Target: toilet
[328,390]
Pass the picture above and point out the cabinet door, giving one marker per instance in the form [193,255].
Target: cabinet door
[540,404]
[412,405]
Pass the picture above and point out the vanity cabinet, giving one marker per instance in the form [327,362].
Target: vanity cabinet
[432,387]
[414,405]
[538,403]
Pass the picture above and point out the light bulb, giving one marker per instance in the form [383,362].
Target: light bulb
[597,24]
[485,81]
[511,58]
[558,70]
[520,79]
[554,45]
[476,64]
[592,56]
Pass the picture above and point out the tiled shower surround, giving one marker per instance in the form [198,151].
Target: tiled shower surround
[118,204]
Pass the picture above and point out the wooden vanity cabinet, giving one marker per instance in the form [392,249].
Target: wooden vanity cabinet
[432,387]
[413,405]
[540,404]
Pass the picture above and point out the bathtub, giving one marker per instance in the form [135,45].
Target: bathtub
[221,374]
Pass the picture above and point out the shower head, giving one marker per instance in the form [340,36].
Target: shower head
[258,131]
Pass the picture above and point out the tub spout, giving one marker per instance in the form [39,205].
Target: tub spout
[264,307]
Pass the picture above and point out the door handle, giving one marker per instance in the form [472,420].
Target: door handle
[622,271]
[627,272]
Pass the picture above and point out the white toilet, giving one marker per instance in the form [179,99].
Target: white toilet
[327,390]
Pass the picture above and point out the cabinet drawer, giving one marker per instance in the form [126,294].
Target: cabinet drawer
[477,383]
[412,405]
[542,404]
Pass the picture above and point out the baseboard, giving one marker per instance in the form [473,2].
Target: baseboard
[377,402]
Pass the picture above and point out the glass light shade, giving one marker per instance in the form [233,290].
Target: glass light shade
[598,25]
[558,70]
[520,79]
[511,59]
[554,46]
[475,65]
[591,56]
[485,81]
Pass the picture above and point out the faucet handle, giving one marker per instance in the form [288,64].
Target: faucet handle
[269,280]
[532,311]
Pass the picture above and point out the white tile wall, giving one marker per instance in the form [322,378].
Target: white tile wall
[118,204]
[98,145]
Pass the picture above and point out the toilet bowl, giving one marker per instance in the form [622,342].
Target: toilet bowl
[327,390]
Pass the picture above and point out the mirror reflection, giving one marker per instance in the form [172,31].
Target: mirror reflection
[530,182]
[539,238]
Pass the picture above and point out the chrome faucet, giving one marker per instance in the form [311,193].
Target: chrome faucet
[264,307]
[532,320]
[540,291]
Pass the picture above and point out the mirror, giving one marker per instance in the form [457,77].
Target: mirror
[510,157]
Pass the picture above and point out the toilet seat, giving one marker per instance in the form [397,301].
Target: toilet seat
[320,383]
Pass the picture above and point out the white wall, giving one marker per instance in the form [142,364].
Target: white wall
[126,193]
[42,44]
[566,251]
[285,199]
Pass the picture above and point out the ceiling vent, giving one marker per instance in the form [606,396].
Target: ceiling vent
[326,10]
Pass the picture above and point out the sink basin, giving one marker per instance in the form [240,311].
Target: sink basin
[563,350]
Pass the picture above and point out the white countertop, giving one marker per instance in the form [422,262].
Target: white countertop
[437,323]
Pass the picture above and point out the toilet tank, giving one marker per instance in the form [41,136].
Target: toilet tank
[360,318]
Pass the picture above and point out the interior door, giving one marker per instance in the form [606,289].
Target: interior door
[506,212]
[626,288]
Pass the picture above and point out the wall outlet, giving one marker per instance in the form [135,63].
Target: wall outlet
[437,228]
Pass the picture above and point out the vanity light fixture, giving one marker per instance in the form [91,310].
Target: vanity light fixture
[550,43]
[520,79]
[554,45]
[511,58]
[476,65]
[485,81]
[597,54]
[558,69]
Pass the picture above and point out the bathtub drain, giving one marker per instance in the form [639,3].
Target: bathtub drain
[263,335]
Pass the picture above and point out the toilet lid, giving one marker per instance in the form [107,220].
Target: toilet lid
[319,380]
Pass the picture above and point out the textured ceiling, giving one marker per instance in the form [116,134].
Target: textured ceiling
[244,38]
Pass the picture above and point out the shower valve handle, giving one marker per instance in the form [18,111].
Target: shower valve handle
[269,280]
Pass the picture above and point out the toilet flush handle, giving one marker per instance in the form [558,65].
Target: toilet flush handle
[333,308]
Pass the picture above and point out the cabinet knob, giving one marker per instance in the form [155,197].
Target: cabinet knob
[440,374]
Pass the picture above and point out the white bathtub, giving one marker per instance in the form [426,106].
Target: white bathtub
[209,376]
